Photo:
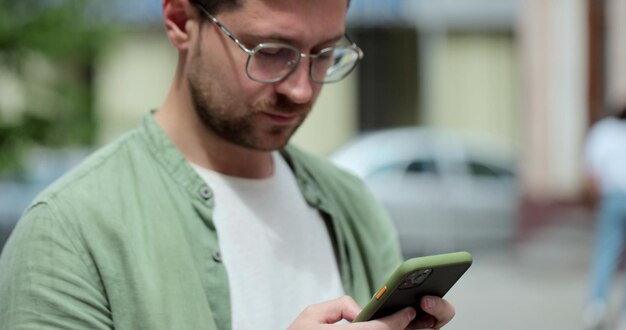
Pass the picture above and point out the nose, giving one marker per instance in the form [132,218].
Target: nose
[297,86]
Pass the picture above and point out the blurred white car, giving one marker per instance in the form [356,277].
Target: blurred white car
[444,192]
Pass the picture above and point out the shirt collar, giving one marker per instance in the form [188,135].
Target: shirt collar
[169,156]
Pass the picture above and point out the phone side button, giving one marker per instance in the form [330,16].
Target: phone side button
[381,292]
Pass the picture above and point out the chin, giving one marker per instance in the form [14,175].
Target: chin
[272,145]
[272,142]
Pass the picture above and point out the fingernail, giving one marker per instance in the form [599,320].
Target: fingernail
[430,302]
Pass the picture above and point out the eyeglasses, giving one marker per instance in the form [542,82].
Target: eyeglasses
[272,62]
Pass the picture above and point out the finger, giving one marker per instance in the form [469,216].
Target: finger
[440,309]
[398,320]
[425,321]
[334,310]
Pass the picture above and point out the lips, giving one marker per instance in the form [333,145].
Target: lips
[281,118]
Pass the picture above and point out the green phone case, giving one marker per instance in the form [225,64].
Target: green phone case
[413,279]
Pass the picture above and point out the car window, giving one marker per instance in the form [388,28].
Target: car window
[422,166]
[477,168]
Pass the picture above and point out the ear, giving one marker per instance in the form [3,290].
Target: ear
[176,15]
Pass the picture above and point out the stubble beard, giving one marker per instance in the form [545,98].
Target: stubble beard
[225,115]
[237,123]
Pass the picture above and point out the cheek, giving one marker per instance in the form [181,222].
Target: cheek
[219,62]
[251,92]
[232,79]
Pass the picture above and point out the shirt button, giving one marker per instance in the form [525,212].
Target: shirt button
[205,192]
[217,256]
[316,201]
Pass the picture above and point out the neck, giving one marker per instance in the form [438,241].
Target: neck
[201,146]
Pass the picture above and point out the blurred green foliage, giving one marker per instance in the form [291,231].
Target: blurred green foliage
[47,52]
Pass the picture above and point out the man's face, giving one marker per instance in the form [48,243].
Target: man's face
[239,110]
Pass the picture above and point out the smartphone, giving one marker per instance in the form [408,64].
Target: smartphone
[413,279]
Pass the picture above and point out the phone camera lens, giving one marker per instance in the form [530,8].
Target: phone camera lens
[415,278]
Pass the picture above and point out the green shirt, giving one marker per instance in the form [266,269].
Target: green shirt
[126,241]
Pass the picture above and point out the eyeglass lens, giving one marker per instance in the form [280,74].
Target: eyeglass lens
[273,62]
[336,65]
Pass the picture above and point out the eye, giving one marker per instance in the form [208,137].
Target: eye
[326,55]
[277,54]
[270,51]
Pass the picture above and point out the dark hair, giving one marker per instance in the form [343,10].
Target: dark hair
[214,6]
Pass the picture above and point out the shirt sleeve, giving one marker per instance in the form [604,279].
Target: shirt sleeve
[47,280]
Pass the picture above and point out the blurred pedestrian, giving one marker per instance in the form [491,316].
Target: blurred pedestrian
[204,217]
[605,156]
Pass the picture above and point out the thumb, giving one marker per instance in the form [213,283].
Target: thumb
[334,310]
[398,320]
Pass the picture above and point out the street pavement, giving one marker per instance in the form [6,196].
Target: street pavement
[539,283]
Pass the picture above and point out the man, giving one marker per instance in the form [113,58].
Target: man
[203,217]
[605,165]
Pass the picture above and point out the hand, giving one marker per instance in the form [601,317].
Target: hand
[328,313]
[440,312]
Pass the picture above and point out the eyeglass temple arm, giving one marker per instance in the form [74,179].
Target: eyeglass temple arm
[222,27]
[353,44]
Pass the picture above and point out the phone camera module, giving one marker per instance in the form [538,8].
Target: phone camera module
[415,278]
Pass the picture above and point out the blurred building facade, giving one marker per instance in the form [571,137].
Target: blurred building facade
[573,64]
[516,70]
[616,57]
[553,43]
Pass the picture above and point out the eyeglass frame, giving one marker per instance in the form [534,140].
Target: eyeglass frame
[255,49]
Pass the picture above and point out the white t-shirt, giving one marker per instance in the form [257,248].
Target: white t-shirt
[275,247]
[605,154]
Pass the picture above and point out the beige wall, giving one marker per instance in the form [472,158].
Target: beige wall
[473,85]
[554,48]
[616,38]
[132,77]
[134,74]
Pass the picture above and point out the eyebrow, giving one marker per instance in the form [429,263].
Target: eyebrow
[286,40]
